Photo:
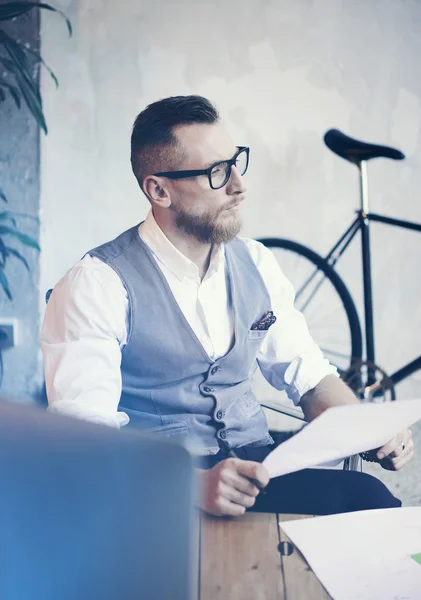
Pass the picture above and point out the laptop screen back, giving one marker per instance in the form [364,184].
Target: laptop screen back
[87,512]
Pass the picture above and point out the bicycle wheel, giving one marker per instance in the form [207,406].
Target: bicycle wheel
[323,298]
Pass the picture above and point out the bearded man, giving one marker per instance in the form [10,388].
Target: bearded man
[163,328]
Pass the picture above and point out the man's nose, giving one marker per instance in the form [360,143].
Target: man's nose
[235,183]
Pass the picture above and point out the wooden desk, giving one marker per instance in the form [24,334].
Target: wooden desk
[251,558]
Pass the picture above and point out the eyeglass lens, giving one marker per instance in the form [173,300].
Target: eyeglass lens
[222,171]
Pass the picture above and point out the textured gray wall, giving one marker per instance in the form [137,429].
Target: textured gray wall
[19,178]
[282,72]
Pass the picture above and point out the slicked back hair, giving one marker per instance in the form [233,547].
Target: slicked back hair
[154,147]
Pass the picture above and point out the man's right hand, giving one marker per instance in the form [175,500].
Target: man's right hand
[226,489]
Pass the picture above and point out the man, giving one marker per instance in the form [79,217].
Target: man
[163,327]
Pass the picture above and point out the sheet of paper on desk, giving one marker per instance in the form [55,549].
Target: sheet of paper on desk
[342,431]
[366,555]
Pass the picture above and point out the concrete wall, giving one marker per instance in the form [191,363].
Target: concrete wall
[19,179]
[281,73]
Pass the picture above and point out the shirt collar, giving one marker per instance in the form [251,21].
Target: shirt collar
[181,266]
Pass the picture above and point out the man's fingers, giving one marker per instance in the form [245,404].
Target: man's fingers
[396,446]
[395,464]
[402,460]
[251,470]
[229,486]
[220,498]
[388,448]
[234,495]
[400,456]
[239,482]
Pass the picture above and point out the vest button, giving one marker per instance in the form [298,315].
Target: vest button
[208,389]
[214,370]
[219,414]
[223,435]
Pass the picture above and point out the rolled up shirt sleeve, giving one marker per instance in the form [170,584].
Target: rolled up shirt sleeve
[289,358]
[82,334]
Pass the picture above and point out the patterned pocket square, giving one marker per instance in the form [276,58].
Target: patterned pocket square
[265,322]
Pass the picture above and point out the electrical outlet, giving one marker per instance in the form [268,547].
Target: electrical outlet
[8,333]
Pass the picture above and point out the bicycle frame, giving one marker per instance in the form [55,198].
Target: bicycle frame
[362,223]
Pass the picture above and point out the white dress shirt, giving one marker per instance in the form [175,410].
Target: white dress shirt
[86,323]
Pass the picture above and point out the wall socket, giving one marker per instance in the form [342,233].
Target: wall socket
[8,333]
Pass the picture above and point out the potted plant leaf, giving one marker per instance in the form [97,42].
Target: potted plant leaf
[19,78]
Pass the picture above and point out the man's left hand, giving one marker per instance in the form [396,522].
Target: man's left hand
[398,452]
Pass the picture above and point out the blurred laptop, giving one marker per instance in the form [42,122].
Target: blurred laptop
[88,512]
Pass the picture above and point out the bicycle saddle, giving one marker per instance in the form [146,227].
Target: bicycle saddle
[356,151]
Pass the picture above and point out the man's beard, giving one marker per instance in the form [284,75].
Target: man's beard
[205,227]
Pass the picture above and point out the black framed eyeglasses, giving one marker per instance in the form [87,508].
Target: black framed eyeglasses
[218,173]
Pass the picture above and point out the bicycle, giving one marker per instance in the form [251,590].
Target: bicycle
[321,285]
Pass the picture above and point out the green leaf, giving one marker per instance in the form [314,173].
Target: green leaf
[27,85]
[7,63]
[19,66]
[11,68]
[6,251]
[15,95]
[5,284]
[16,53]
[13,91]
[3,253]
[3,196]
[32,100]
[33,218]
[39,59]
[22,237]
[19,63]
[8,215]
[10,10]
[19,256]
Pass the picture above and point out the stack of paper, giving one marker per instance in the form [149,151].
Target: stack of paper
[342,431]
[366,555]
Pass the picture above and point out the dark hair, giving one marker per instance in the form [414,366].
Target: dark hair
[154,147]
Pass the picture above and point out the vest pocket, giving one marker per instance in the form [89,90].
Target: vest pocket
[247,406]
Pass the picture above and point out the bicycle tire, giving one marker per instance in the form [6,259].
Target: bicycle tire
[356,343]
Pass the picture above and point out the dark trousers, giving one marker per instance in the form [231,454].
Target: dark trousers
[313,491]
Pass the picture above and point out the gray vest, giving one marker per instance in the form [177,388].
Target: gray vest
[169,383]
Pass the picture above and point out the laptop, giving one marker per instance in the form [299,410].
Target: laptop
[88,512]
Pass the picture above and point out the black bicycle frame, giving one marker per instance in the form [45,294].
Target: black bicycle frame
[362,222]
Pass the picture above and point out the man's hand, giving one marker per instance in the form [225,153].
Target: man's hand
[398,452]
[226,489]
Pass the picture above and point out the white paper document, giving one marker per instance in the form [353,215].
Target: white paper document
[366,555]
[342,431]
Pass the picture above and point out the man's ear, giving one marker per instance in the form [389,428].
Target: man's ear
[156,191]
